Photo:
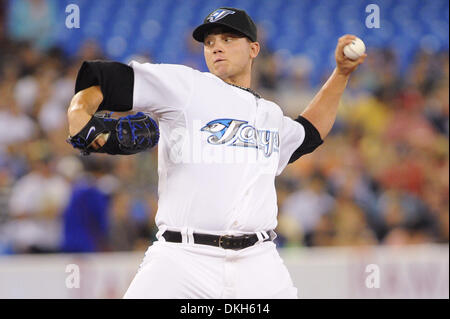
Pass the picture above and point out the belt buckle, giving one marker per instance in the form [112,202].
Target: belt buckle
[220,241]
[244,240]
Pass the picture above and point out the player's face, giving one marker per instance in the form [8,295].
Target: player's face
[228,54]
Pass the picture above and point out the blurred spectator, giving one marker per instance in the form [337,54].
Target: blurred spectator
[193,56]
[405,211]
[295,92]
[85,219]
[53,110]
[307,205]
[351,227]
[90,50]
[33,20]
[35,205]
[15,126]
[324,232]
[266,69]
[122,232]
[130,221]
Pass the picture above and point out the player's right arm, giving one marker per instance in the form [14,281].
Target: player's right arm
[83,106]
[159,89]
[100,85]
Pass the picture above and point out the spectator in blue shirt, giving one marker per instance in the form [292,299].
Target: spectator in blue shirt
[85,219]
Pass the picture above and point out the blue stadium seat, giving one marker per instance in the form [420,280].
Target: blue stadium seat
[125,27]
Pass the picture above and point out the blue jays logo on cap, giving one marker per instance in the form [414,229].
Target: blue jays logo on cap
[219,14]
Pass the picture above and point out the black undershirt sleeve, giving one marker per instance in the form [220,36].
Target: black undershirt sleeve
[116,81]
[310,143]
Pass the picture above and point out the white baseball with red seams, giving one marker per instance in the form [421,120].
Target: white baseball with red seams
[355,49]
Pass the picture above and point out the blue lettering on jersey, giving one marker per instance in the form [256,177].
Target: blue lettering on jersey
[240,133]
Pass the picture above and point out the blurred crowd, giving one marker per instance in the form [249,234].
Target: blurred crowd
[381,176]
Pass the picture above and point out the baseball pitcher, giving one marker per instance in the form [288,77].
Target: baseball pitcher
[221,145]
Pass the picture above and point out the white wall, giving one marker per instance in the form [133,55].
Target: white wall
[407,272]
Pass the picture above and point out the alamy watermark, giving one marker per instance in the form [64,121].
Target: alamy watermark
[373,279]
[373,19]
[73,279]
[73,17]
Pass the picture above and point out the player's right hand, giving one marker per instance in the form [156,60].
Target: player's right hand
[344,65]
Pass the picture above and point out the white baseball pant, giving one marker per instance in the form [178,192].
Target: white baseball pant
[189,271]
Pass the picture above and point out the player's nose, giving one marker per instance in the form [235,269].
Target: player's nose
[217,49]
[217,46]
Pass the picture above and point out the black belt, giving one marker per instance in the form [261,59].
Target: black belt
[224,241]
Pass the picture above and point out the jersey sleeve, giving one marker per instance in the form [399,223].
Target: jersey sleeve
[116,81]
[158,89]
[161,88]
[297,138]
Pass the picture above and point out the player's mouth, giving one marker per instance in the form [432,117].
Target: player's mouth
[219,60]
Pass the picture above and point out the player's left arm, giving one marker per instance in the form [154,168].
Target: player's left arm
[322,110]
[304,134]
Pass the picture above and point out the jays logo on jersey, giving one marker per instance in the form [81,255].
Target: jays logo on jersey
[240,133]
[219,14]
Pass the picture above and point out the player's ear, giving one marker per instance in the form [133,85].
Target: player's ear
[254,49]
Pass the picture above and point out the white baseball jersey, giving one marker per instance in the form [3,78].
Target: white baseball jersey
[219,151]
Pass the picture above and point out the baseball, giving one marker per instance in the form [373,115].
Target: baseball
[355,49]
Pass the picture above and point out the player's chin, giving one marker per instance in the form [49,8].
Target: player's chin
[221,71]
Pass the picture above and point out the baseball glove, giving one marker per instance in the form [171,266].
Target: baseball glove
[125,136]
